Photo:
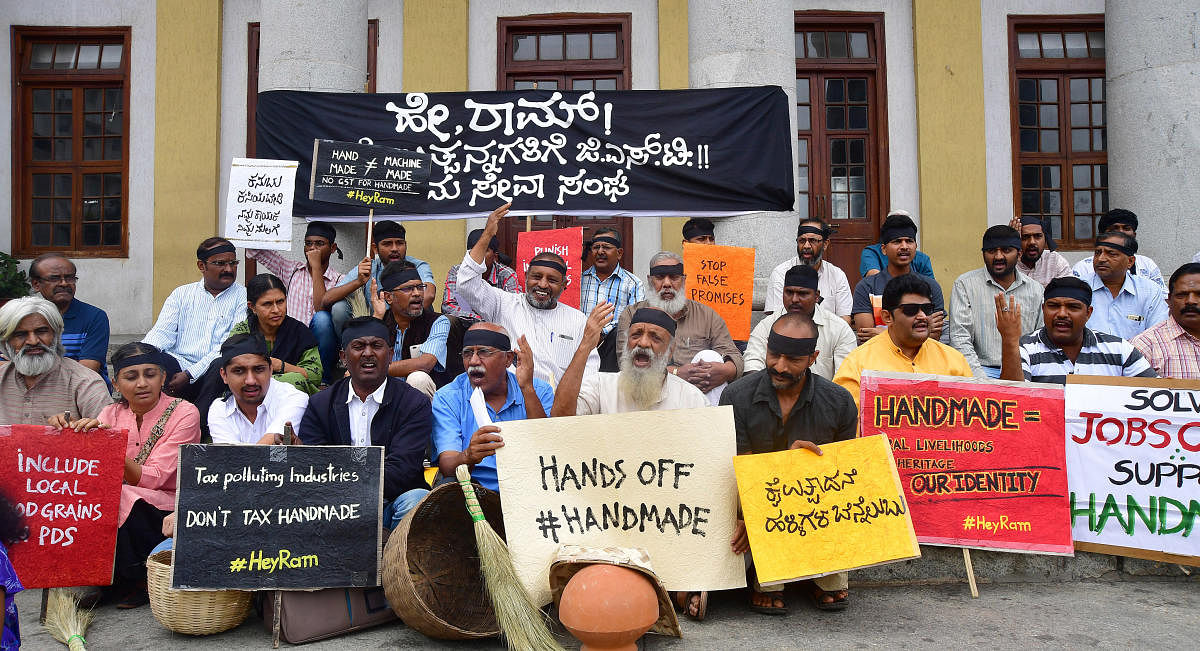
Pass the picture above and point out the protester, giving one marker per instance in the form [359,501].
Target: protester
[305,284]
[788,407]
[972,301]
[898,236]
[1038,258]
[552,329]
[703,353]
[873,260]
[458,436]
[607,281]
[12,530]
[85,327]
[801,295]
[812,238]
[699,230]
[1119,220]
[257,408]
[907,344]
[388,244]
[1123,303]
[197,317]
[420,334]
[39,384]
[497,274]
[294,348]
[1173,346]
[1064,345]
[371,408]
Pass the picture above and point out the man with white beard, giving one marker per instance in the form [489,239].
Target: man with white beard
[642,384]
[39,385]
[704,354]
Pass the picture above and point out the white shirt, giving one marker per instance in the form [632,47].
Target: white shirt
[362,412]
[193,323]
[599,393]
[831,282]
[284,403]
[553,334]
[835,340]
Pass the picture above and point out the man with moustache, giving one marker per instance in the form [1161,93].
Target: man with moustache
[607,281]
[1173,346]
[972,302]
[388,244]
[85,327]
[787,407]
[801,294]
[898,241]
[1123,303]
[257,407]
[370,408]
[1120,220]
[458,437]
[38,383]
[703,353]
[1038,259]
[197,317]
[421,335]
[812,236]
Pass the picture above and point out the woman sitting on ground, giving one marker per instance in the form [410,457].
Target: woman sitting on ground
[295,358]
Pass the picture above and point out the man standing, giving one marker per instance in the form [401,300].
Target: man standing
[370,408]
[1173,346]
[388,244]
[197,317]
[704,354]
[699,230]
[1123,303]
[497,275]
[898,236]
[812,236]
[257,407]
[607,281]
[420,356]
[1119,220]
[835,339]
[38,383]
[788,407]
[1038,260]
[973,306]
[85,327]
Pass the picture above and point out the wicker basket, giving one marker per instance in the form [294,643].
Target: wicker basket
[431,567]
[187,612]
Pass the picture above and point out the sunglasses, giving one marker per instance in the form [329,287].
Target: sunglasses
[911,309]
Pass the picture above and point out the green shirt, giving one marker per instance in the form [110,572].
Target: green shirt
[310,361]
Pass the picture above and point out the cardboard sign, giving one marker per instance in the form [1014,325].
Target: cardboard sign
[1133,454]
[258,209]
[982,461]
[67,485]
[808,515]
[566,242]
[370,176]
[722,277]
[659,480]
[272,517]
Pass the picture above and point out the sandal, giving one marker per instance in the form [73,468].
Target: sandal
[774,597]
[830,601]
[684,601]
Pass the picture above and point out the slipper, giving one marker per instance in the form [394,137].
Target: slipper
[684,599]
[776,597]
[835,602]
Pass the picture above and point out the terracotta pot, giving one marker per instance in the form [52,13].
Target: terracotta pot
[608,607]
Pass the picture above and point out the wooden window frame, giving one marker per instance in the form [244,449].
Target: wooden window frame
[21,38]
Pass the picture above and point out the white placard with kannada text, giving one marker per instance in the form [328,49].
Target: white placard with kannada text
[258,210]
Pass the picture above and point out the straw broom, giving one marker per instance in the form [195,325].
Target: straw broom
[65,621]
[521,623]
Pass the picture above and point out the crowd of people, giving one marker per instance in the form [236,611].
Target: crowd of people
[363,358]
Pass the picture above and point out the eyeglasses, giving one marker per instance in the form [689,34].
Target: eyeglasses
[67,278]
[815,241]
[232,264]
[911,309]
[408,289]
[483,352]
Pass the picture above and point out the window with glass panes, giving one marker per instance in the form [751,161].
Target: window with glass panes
[70,127]
[1060,150]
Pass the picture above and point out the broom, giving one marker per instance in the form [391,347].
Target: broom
[520,621]
[65,621]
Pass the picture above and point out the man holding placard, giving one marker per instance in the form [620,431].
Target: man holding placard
[388,244]
[801,293]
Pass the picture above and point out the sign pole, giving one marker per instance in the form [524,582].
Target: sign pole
[528,223]
[970,573]
[370,229]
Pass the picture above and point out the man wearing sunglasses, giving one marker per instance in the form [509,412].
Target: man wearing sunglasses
[85,327]
[906,346]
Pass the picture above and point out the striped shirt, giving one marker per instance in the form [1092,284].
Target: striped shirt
[193,323]
[1139,305]
[500,276]
[298,280]
[621,288]
[1102,354]
[434,344]
[831,283]
[1051,265]
[1171,350]
[973,315]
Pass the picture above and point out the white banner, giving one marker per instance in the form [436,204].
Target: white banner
[258,209]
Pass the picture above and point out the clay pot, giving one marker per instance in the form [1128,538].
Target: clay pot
[608,607]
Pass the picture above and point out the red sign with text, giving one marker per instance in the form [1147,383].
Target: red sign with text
[67,485]
[565,242]
[983,463]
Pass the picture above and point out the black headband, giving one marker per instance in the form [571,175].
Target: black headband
[1068,291]
[247,346]
[896,232]
[791,346]
[489,338]
[607,239]
[1116,247]
[654,316]
[667,269]
[1031,220]
[386,230]
[696,229]
[325,230]
[134,360]
[372,328]
[557,266]
[473,239]
[389,282]
[800,276]
[810,230]
[225,247]
[1001,241]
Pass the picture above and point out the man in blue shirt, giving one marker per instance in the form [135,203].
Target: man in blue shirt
[458,435]
[1124,304]
[85,327]
[607,281]
[873,260]
[899,237]
[389,245]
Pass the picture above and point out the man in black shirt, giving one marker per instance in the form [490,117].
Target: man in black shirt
[786,407]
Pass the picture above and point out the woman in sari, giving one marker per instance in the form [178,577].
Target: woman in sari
[295,358]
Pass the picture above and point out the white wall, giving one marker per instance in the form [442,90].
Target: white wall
[122,286]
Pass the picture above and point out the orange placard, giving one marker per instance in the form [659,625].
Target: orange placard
[722,277]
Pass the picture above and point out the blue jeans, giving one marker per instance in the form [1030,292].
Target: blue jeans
[341,313]
[992,372]
[327,343]
[394,511]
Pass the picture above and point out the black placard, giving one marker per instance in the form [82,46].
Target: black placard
[367,175]
[258,517]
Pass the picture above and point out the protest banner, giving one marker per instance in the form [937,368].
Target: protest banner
[565,242]
[366,175]
[1133,457]
[982,461]
[658,480]
[258,208]
[67,485]
[808,515]
[696,152]
[278,517]
[722,277]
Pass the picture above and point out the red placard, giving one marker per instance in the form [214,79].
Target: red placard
[983,463]
[67,484]
[566,242]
